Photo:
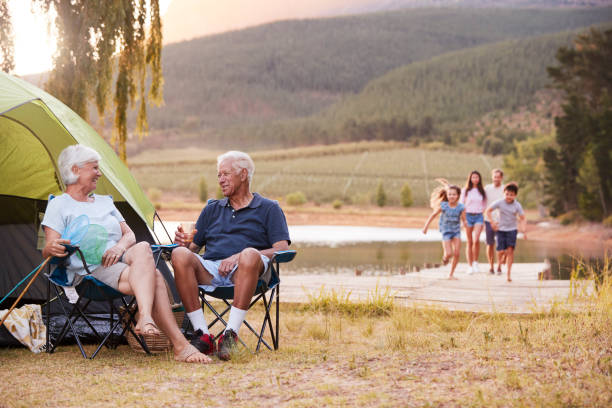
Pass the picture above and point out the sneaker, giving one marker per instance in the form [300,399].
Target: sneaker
[227,342]
[475,267]
[205,343]
[469,270]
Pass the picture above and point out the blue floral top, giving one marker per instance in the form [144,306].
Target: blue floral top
[450,219]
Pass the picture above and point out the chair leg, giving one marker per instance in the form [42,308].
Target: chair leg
[76,335]
[277,316]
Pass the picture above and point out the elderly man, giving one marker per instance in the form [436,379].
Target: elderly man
[241,233]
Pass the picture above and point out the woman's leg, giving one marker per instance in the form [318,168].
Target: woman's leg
[476,242]
[468,247]
[138,279]
[162,313]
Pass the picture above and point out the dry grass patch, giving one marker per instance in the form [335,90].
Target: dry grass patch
[334,355]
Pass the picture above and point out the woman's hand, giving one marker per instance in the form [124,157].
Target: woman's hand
[112,255]
[55,248]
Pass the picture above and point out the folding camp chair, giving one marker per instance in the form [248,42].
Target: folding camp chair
[267,292]
[90,289]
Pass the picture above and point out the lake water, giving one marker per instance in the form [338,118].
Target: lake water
[382,251]
[386,251]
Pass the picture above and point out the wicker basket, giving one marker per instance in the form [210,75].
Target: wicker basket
[159,343]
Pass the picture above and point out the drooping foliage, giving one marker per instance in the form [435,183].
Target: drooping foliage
[6,39]
[101,42]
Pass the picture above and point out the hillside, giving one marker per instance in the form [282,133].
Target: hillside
[223,85]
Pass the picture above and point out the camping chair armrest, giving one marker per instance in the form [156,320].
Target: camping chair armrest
[164,251]
[283,256]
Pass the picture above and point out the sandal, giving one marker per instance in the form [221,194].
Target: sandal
[152,330]
[189,351]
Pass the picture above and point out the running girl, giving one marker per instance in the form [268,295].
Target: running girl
[474,198]
[445,200]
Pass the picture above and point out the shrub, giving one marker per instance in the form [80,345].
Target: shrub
[381,196]
[203,190]
[337,204]
[569,217]
[607,222]
[219,193]
[406,195]
[295,198]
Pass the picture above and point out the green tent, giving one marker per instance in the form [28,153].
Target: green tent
[34,128]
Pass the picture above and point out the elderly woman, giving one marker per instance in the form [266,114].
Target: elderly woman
[126,266]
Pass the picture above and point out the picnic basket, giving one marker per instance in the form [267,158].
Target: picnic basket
[160,343]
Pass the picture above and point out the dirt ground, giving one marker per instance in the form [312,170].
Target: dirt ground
[537,229]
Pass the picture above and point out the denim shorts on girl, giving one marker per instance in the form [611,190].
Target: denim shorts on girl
[212,267]
[474,218]
[448,235]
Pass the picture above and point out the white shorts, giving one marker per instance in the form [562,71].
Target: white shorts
[212,267]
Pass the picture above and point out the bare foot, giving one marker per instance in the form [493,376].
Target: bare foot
[451,277]
[509,280]
[190,354]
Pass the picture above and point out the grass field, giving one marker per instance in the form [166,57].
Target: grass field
[337,353]
[350,172]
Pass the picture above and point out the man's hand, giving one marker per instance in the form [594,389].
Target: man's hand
[228,264]
[494,225]
[183,238]
[112,255]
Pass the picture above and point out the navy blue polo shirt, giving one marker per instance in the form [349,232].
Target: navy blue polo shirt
[225,231]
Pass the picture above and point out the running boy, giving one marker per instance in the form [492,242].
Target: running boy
[494,192]
[509,211]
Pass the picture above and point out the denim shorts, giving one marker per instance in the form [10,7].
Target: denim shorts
[448,235]
[506,239]
[212,267]
[474,219]
[490,233]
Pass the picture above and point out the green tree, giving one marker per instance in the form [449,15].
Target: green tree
[525,165]
[406,195]
[203,190]
[586,128]
[381,196]
[100,42]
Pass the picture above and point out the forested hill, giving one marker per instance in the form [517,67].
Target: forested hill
[295,69]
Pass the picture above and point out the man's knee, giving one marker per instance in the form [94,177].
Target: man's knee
[250,259]
[181,258]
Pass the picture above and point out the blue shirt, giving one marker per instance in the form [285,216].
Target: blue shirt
[450,219]
[225,231]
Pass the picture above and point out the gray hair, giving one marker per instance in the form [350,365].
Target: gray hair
[75,155]
[240,160]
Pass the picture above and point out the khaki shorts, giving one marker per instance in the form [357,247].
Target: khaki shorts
[109,276]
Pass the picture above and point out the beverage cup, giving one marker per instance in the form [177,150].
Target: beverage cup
[188,229]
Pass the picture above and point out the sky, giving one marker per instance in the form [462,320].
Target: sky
[34,43]
[181,19]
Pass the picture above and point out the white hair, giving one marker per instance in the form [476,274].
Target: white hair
[240,160]
[75,155]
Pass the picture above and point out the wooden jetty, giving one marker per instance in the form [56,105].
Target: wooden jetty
[479,292]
